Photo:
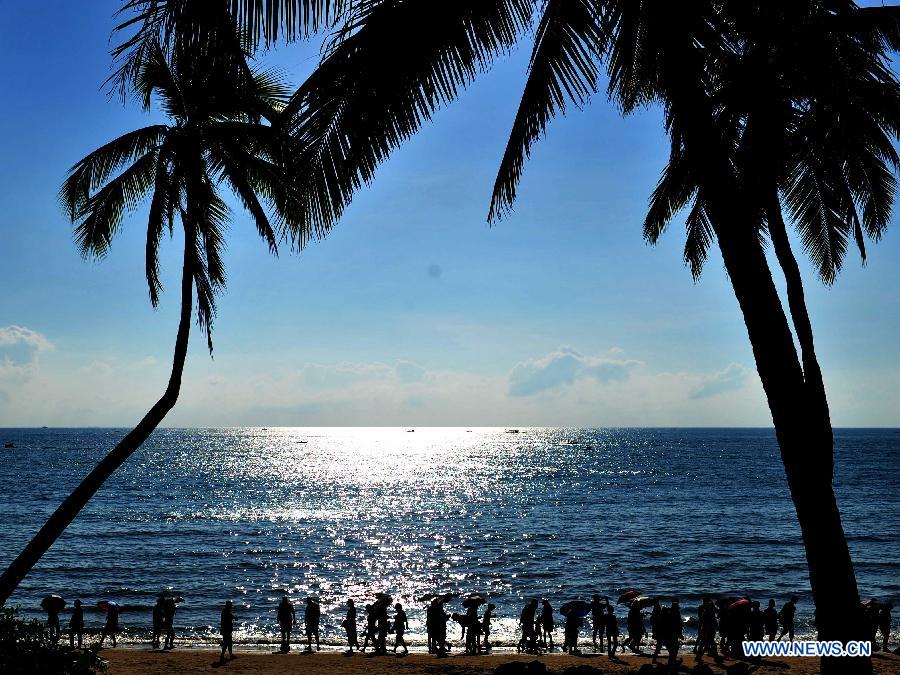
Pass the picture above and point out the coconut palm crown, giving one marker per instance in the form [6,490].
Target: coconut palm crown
[217,135]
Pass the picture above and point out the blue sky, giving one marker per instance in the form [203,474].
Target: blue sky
[413,311]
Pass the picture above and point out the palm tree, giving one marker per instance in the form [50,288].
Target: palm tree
[825,143]
[215,136]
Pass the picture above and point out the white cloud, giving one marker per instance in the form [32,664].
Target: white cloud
[732,378]
[569,389]
[19,349]
[564,367]
[19,335]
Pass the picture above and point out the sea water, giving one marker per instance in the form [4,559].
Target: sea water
[249,514]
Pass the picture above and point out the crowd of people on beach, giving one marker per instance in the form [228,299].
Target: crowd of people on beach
[723,624]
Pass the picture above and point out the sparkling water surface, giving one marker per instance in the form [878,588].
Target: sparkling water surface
[250,513]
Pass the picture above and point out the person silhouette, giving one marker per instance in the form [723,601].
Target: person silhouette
[884,624]
[770,618]
[570,632]
[725,620]
[472,629]
[654,615]
[111,627]
[382,627]
[311,616]
[598,620]
[528,642]
[169,622]
[349,625]
[400,626]
[677,620]
[612,631]
[369,630]
[52,609]
[707,624]
[666,634]
[226,628]
[440,624]
[635,625]
[157,622]
[76,625]
[287,617]
[756,622]
[547,623]
[486,625]
[786,616]
[738,624]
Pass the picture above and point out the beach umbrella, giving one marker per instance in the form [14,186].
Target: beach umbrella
[642,601]
[576,608]
[53,602]
[737,604]
[474,601]
[627,595]
[107,605]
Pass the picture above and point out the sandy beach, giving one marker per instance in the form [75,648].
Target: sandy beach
[146,662]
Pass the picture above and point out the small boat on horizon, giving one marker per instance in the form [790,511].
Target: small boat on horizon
[512,431]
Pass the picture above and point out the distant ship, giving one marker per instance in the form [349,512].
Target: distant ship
[512,431]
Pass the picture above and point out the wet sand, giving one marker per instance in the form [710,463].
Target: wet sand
[145,662]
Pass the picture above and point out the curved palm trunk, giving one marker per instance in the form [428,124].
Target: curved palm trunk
[812,373]
[797,403]
[800,414]
[71,507]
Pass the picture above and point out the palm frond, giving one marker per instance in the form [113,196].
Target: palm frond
[94,169]
[163,205]
[385,74]
[269,20]
[700,237]
[210,218]
[102,212]
[674,190]
[563,69]
[879,25]
[820,213]
[237,172]
[190,23]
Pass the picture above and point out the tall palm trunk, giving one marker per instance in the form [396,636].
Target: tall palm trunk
[71,507]
[799,411]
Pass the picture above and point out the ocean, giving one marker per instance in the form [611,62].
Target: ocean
[251,513]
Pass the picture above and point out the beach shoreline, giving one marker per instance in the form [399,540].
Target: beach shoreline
[137,661]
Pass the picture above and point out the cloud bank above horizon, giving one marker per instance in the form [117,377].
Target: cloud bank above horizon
[565,387]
